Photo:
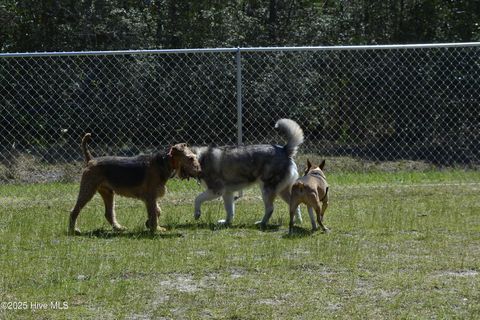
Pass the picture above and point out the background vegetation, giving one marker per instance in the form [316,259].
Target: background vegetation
[378,105]
[52,25]
[404,240]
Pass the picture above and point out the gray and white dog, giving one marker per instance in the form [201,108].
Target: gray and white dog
[229,169]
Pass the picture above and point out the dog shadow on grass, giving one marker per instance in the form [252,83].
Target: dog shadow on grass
[192,226]
[299,232]
[212,226]
[172,231]
[134,234]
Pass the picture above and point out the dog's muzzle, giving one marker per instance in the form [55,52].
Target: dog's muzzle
[187,174]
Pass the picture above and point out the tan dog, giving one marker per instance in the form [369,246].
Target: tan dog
[142,177]
[311,189]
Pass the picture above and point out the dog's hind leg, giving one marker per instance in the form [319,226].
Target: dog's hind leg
[207,195]
[88,187]
[268,196]
[319,212]
[324,208]
[293,208]
[229,204]
[285,194]
[312,218]
[108,200]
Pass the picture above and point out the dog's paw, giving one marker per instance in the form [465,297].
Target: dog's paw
[74,232]
[197,215]
[119,228]
[324,230]
[157,229]
[224,223]
[261,225]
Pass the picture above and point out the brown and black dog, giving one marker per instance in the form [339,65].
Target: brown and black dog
[142,177]
[310,189]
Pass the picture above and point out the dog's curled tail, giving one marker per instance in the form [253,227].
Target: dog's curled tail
[86,153]
[294,135]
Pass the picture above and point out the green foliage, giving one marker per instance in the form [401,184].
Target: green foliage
[364,104]
[49,25]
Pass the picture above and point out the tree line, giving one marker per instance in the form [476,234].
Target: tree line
[70,25]
[382,105]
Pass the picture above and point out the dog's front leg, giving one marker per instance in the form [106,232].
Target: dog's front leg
[207,195]
[153,214]
[229,204]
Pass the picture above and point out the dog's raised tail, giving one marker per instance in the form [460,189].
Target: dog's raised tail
[298,187]
[86,153]
[294,135]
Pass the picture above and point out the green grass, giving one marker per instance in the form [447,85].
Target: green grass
[403,245]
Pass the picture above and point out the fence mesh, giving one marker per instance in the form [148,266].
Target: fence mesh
[419,104]
[374,104]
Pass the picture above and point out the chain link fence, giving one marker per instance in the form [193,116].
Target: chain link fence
[381,103]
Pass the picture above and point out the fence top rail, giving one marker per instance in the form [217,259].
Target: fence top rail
[240,49]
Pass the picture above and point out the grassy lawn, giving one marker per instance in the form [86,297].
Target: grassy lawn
[402,245]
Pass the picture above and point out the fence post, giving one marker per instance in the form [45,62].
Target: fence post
[238,59]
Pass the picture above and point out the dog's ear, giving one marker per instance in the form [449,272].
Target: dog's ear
[309,164]
[180,147]
[322,164]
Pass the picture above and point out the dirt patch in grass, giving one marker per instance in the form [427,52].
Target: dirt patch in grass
[348,164]
[458,273]
[237,273]
[25,168]
[181,283]
[187,283]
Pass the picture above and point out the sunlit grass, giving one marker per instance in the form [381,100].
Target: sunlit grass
[402,245]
